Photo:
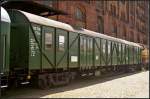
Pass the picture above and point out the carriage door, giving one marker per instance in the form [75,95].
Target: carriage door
[47,47]
[2,52]
[4,46]
[83,52]
[61,49]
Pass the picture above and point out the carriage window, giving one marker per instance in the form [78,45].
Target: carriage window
[119,47]
[91,44]
[104,45]
[84,44]
[81,42]
[136,49]
[48,37]
[109,47]
[48,40]
[123,48]
[61,42]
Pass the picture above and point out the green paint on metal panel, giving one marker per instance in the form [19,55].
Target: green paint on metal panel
[114,53]
[73,51]
[109,56]
[97,55]
[19,40]
[82,51]
[61,47]
[48,46]
[34,52]
[4,47]
[103,52]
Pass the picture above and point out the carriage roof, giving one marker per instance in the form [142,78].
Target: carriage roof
[49,22]
[4,15]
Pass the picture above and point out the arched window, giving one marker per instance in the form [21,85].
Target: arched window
[80,17]
[79,14]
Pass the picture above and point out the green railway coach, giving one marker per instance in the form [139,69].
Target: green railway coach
[54,52]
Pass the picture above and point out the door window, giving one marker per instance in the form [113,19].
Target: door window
[48,40]
[61,42]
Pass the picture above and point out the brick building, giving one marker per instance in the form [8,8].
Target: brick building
[123,19]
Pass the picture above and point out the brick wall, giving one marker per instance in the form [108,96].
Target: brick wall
[126,21]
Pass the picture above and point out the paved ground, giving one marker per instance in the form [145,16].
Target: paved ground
[121,86]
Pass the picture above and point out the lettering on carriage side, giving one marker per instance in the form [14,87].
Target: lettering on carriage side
[74,59]
[37,30]
[38,33]
[33,47]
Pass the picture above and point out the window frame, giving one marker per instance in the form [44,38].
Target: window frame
[52,36]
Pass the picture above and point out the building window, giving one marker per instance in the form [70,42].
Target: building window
[48,3]
[100,24]
[122,1]
[87,1]
[79,14]
[132,7]
[81,18]
[100,4]
[113,10]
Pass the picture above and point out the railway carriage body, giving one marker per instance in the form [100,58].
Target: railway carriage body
[53,52]
[4,46]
